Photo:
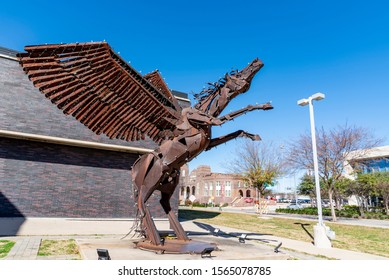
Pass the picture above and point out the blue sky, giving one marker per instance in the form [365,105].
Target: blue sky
[340,48]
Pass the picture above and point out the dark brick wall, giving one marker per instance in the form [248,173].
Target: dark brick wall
[49,180]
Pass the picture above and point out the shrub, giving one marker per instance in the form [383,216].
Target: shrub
[198,204]
[353,210]
[348,212]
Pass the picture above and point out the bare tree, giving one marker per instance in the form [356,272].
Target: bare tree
[335,148]
[259,163]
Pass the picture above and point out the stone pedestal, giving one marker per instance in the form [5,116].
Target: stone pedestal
[175,246]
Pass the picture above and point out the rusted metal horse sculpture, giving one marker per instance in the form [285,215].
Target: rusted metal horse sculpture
[160,169]
[97,87]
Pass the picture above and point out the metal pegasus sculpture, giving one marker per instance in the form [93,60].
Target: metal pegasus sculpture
[96,86]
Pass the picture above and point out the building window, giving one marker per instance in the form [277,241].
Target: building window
[192,178]
[210,189]
[375,165]
[205,189]
[227,189]
[218,188]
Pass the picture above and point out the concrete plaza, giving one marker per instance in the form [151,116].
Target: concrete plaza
[110,234]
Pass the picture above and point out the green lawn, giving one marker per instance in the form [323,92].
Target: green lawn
[58,247]
[355,238]
[5,247]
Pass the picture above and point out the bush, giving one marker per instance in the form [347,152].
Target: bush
[379,210]
[347,212]
[376,215]
[350,211]
[198,204]
[351,208]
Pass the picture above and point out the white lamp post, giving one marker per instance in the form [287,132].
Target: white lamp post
[320,230]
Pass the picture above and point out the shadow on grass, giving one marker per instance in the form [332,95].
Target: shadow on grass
[188,215]
[306,230]
[211,230]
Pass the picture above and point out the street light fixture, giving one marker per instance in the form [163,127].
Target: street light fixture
[320,230]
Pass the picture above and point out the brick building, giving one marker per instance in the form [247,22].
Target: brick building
[218,188]
[53,166]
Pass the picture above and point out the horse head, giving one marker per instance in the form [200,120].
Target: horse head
[216,97]
[240,81]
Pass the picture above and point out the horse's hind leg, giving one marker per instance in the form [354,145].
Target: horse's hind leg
[147,223]
[167,191]
[147,175]
[174,223]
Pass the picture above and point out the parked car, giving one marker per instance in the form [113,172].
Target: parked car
[294,206]
[283,200]
[304,200]
[326,203]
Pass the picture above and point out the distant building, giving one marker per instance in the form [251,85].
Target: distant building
[205,186]
[51,165]
[368,161]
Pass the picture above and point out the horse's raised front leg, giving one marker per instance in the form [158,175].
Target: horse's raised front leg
[223,139]
[237,113]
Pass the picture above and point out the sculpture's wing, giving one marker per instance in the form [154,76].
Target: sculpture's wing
[156,79]
[92,83]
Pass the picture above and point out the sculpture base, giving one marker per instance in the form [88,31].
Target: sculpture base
[175,246]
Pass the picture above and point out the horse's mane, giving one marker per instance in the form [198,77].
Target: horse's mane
[213,87]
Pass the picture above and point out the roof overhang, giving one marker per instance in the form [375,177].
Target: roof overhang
[71,142]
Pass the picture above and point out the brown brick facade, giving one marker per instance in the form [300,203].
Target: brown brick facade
[218,188]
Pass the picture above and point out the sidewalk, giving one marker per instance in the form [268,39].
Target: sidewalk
[93,234]
[26,248]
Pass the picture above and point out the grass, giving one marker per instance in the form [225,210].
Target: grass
[58,247]
[5,247]
[355,238]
